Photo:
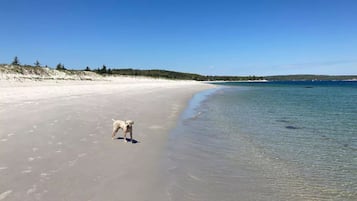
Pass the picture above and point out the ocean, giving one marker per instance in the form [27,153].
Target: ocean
[266,141]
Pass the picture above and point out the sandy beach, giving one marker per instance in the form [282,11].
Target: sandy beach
[55,138]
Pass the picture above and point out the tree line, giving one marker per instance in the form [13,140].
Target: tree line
[157,73]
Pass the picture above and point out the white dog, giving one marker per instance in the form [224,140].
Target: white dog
[127,127]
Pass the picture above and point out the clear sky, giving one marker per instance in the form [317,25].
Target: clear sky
[247,37]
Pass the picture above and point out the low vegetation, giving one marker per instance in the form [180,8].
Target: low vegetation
[174,75]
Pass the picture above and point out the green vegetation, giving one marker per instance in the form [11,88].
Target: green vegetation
[102,70]
[37,63]
[60,67]
[16,61]
[156,73]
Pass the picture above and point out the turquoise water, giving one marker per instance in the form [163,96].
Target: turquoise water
[267,141]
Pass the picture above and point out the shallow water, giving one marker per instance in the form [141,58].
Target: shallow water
[267,141]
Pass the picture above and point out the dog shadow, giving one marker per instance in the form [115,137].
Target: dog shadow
[132,141]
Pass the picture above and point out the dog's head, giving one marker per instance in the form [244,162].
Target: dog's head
[129,123]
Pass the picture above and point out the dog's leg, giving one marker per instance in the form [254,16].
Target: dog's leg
[131,135]
[125,131]
[115,130]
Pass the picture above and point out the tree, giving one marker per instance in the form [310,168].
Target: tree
[16,61]
[60,67]
[37,63]
[103,70]
[87,69]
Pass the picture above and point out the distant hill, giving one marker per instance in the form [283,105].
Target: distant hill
[178,75]
[310,77]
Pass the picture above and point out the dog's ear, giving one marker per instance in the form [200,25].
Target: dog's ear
[129,122]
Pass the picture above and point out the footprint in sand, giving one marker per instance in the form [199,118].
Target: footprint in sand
[44,174]
[72,162]
[27,171]
[194,177]
[30,159]
[55,170]
[54,122]
[5,194]
[3,168]
[82,155]
[155,127]
[32,189]
[83,139]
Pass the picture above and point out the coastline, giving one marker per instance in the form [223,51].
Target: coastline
[56,138]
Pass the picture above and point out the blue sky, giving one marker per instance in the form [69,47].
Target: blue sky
[266,37]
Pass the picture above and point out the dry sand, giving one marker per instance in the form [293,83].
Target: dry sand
[55,138]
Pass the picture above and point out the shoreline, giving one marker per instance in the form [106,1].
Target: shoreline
[234,145]
[56,138]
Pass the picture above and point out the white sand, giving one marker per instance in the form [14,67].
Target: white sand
[55,138]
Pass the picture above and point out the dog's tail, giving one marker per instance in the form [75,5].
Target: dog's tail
[113,119]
